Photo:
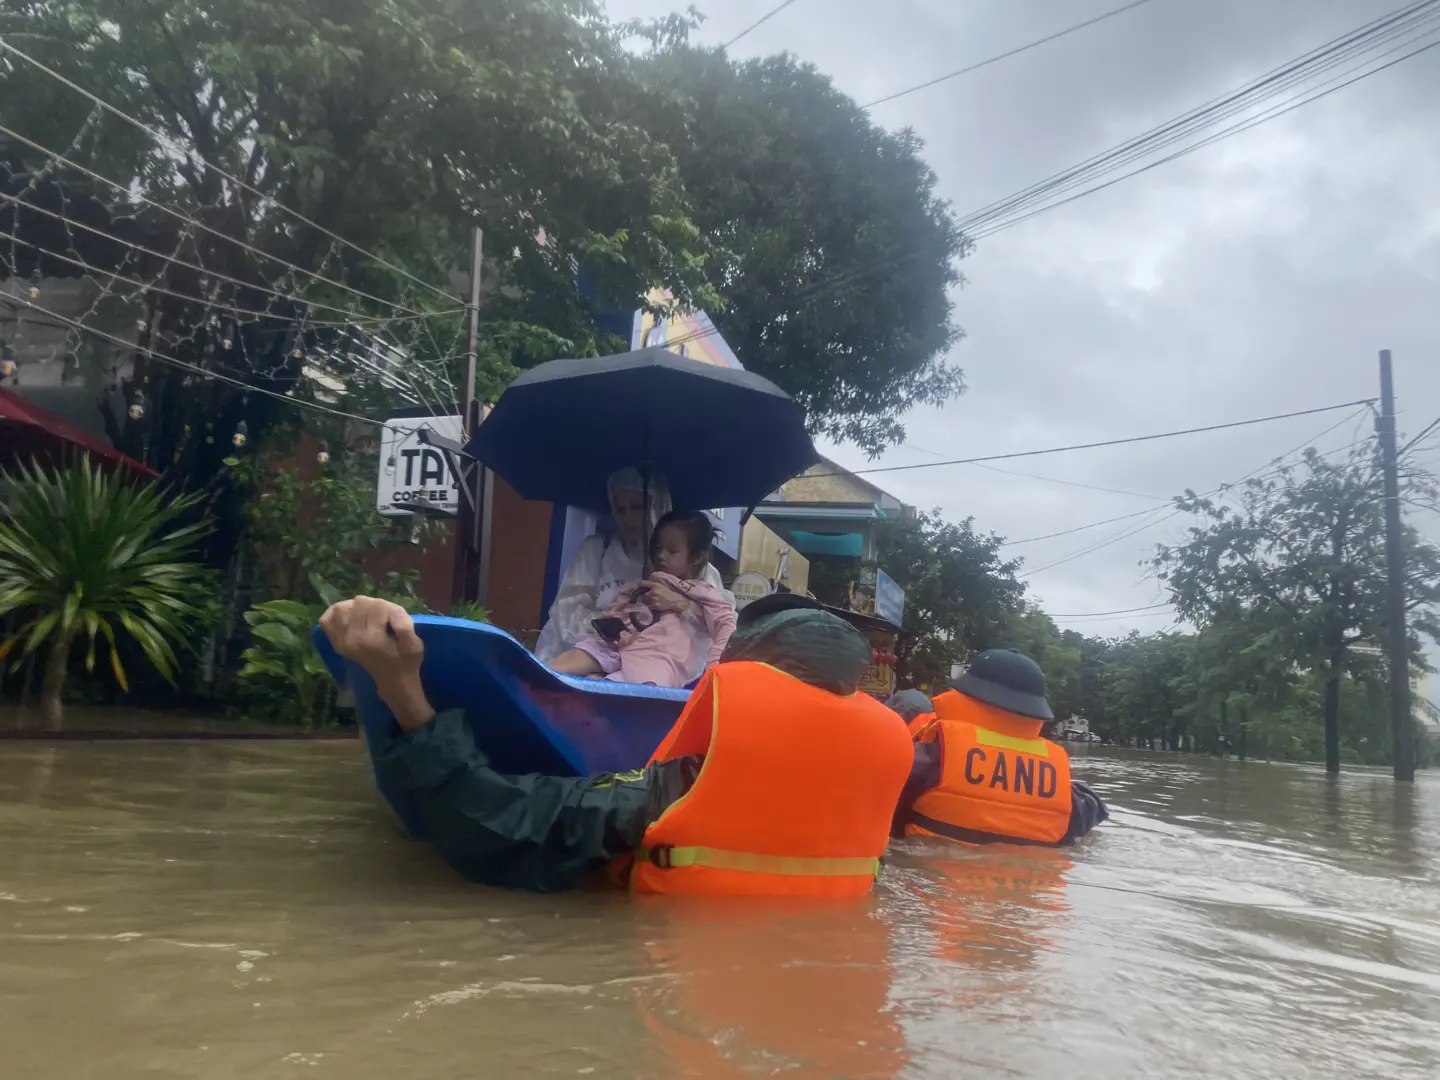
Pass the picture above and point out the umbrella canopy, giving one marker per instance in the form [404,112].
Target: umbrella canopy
[721,436]
[28,430]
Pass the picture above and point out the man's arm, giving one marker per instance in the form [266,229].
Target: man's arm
[925,772]
[534,832]
[542,833]
[1087,810]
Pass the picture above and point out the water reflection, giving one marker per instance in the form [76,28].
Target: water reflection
[222,910]
[759,987]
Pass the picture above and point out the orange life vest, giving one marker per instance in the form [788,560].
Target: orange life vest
[795,796]
[920,723]
[1000,782]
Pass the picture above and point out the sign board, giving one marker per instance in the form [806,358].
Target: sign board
[889,599]
[411,472]
[749,587]
[879,679]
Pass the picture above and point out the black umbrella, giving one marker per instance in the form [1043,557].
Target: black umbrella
[720,436]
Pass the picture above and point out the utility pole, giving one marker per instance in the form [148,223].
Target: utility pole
[1402,723]
[472,518]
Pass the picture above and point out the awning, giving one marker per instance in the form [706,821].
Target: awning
[26,430]
[851,545]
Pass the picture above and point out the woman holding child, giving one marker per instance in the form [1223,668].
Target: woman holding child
[675,622]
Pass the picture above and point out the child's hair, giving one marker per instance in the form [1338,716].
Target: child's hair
[699,534]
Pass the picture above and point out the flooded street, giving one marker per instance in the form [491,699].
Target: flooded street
[228,910]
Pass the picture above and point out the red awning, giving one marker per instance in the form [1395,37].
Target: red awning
[26,429]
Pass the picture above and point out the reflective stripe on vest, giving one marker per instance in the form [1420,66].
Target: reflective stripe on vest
[795,795]
[1000,782]
[667,857]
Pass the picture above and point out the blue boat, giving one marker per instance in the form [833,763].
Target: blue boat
[523,716]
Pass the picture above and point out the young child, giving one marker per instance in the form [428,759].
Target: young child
[658,648]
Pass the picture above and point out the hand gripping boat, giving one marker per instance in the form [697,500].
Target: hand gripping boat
[523,716]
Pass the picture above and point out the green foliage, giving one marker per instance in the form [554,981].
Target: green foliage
[1293,577]
[307,524]
[84,554]
[282,676]
[960,596]
[473,612]
[395,125]
[831,247]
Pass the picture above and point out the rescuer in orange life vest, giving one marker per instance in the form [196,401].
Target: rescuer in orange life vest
[982,773]
[779,778]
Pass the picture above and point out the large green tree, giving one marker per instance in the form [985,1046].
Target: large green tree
[1302,554]
[394,125]
[833,252]
[960,594]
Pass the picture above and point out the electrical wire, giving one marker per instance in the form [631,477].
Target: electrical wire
[175,147]
[1410,20]
[1219,136]
[1399,22]
[195,369]
[1007,54]
[1104,614]
[1180,510]
[1105,442]
[776,10]
[1426,431]
[1164,504]
[131,194]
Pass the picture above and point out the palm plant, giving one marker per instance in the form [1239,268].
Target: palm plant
[84,553]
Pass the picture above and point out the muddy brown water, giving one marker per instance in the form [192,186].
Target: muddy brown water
[236,910]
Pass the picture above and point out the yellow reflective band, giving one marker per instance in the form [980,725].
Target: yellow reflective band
[986,737]
[747,862]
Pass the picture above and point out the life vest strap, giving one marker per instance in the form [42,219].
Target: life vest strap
[970,836]
[666,857]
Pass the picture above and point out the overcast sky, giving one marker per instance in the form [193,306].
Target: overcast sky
[1257,276]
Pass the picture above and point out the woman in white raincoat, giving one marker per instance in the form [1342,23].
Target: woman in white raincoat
[608,562]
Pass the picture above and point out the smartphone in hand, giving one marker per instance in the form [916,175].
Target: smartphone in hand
[609,628]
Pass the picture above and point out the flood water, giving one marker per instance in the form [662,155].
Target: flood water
[228,910]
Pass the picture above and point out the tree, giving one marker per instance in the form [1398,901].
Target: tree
[1305,551]
[830,246]
[83,553]
[1139,694]
[393,125]
[959,594]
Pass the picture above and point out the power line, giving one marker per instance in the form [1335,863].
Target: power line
[1092,525]
[1180,510]
[1069,483]
[61,159]
[992,218]
[1006,55]
[1364,38]
[1105,442]
[1427,430]
[169,259]
[175,146]
[759,22]
[1103,614]
[1220,136]
[195,369]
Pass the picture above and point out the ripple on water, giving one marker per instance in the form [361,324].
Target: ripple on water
[225,911]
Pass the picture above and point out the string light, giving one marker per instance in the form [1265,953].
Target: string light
[35,283]
[137,405]
[241,436]
[390,465]
[8,369]
[323,457]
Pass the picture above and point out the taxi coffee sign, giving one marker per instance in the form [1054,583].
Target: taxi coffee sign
[412,473]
